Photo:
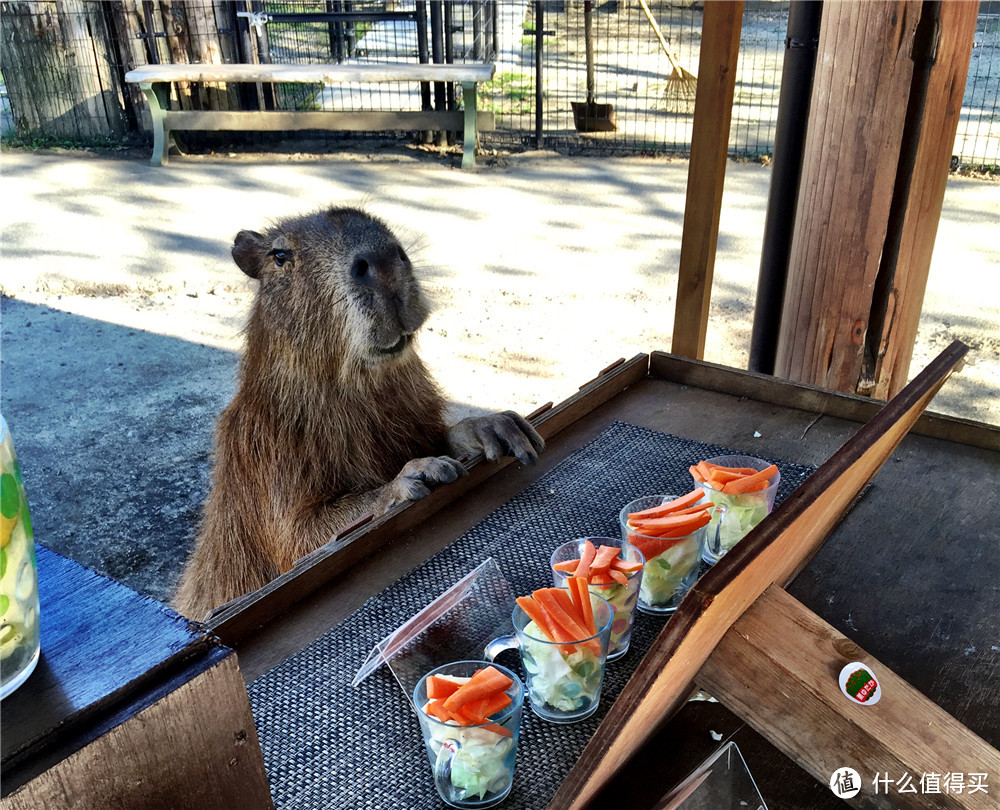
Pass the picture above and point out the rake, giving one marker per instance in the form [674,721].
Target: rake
[682,84]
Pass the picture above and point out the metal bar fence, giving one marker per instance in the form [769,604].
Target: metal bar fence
[63,66]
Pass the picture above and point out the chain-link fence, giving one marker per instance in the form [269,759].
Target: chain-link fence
[591,77]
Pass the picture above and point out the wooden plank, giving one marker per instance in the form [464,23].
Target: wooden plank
[856,126]
[318,73]
[777,667]
[713,112]
[194,748]
[101,642]
[772,553]
[359,121]
[764,388]
[941,110]
[234,621]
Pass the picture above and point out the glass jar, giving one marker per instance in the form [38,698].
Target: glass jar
[19,627]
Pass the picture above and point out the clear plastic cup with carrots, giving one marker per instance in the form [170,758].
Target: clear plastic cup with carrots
[669,530]
[470,717]
[562,635]
[742,488]
[613,570]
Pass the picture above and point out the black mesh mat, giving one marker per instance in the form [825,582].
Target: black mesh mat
[327,744]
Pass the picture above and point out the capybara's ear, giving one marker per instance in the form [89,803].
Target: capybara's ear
[250,252]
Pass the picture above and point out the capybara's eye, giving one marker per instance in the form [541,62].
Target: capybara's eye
[359,270]
[402,255]
[281,256]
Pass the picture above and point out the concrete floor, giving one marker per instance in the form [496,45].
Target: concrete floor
[122,308]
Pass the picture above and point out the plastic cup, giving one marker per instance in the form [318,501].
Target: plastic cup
[735,515]
[473,766]
[563,679]
[622,598]
[19,620]
[668,575]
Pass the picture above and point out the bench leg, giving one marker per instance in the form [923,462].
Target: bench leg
[158,98]
[469,100]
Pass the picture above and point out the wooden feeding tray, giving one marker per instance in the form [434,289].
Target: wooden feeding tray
[905,582]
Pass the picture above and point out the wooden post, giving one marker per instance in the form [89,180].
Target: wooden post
[893,344]
[713,110]
[876,158]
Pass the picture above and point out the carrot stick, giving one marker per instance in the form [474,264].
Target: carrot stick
[550,602]
[586,559]
[751,488]
[618,576]
[603,558]
[682,502]
[656,525]
[566,566]
[483,683]
[747,484]
[478,711]
[436,710]
[583,602]
[704,469]
[696,473]
[566,603]
[737,470]
[503,732]
[625,566]
[440,687]
[534,612]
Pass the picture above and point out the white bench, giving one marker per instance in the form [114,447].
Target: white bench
[155,80]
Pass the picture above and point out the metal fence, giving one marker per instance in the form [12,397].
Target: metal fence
[64,64]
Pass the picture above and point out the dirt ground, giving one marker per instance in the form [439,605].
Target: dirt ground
[122,309]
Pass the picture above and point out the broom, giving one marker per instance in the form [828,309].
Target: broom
[681,83]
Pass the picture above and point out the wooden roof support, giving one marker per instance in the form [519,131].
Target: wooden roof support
[713,110]
[886,99]
[771,555]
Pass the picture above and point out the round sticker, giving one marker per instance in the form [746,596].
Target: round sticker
[859,683]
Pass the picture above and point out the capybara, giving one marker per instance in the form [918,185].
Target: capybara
[335,414]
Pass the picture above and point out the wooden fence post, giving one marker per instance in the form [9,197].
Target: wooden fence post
[713,110]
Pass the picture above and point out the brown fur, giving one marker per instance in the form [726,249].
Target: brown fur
[335,414]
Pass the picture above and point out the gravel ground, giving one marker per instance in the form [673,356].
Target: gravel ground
[122,311]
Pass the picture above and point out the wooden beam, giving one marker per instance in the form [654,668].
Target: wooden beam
[882,123]
[195,747]
[772,553]
[713,112]
[899,315]
[777,668]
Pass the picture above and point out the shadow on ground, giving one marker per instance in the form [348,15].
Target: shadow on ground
[125,500]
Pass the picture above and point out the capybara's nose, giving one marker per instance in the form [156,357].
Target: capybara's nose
[363,271]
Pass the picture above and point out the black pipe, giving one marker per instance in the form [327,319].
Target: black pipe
[539,41]
[797,72]
[423,53]
[335,33]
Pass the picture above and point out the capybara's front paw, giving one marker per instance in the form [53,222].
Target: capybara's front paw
[498,434]
[419,476]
